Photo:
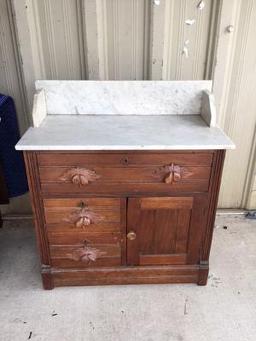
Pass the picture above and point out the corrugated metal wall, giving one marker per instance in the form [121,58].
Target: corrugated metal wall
[141,39]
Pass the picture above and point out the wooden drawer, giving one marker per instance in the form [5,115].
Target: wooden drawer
[76,238]
[85,232]
[84,214]
[101,251]
[197,158]
[118,173]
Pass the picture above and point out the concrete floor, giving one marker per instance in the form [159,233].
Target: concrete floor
[223,310]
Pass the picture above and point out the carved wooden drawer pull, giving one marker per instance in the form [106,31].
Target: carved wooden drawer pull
[174,174]
[171,173]
[87,254]
[79,176]
[82,218]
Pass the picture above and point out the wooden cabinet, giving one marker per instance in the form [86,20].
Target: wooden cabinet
[124,217]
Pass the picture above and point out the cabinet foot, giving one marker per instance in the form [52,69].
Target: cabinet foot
[47,278]
[203,273]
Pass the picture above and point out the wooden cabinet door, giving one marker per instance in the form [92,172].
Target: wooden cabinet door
[165,231]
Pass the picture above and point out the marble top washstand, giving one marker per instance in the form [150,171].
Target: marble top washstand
[124,115]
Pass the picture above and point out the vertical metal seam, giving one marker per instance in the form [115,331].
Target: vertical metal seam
[81,29]
[18,62]
[51,46]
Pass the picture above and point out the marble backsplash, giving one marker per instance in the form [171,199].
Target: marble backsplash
[123,97]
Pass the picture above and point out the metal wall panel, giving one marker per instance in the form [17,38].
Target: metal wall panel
[11,83]
[10,77]
[125,39]
[142,39]
[122,39]
[191,31]
[59,35]
[235,84]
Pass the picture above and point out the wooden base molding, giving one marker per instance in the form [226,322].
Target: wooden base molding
[125,275]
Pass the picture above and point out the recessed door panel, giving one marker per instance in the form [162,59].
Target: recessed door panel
[159,230]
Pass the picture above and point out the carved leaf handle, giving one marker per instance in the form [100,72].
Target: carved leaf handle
[82,218]
[87,254]
[174,174]
[79,176]
[82,222]
[171,173]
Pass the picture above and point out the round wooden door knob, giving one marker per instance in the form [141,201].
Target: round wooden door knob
[131,235]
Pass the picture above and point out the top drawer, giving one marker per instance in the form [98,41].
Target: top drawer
[128,173]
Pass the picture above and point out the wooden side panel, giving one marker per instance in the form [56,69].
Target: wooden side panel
[37,206]
[214,193]
[211,213]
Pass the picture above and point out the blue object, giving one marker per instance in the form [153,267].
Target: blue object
[11,160]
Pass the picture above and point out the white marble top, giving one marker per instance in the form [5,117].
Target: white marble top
[131,132]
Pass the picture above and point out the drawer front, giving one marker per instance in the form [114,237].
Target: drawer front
[83,214]
[83,250]
[85,232]
[124,159]
[124,172]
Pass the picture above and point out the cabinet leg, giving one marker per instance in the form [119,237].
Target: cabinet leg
[203,273]
[47,278]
